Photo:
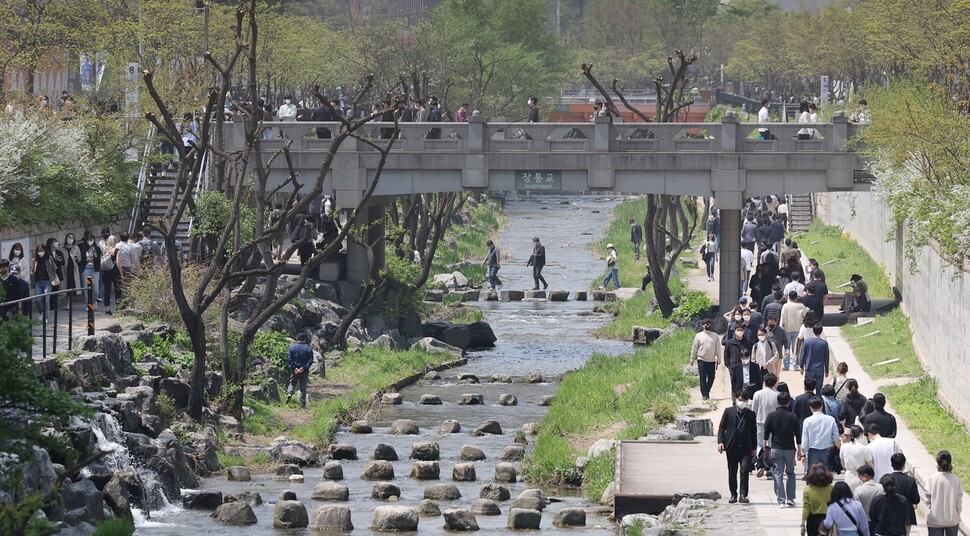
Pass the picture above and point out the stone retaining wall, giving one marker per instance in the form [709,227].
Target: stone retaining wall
[936,298]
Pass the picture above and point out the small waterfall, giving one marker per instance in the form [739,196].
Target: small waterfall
[111,439]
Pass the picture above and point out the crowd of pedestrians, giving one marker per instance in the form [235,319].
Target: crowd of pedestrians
[68,265]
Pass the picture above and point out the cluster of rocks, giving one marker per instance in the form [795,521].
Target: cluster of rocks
[451,284]
[475,335]
[689,509]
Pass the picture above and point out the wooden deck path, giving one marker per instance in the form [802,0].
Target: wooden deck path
[649,473]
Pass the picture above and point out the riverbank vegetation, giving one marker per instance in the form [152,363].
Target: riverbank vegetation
[840,256]
[465,242]
[609,397]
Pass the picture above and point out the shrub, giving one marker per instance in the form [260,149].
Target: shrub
[115,526]
[150,294]
[273,346]
[664,411]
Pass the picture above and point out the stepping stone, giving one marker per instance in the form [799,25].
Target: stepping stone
[383,451]
[463,472]
[394,519]
[378,470]
[508,400]
[505,472]
[535,294]
[333,471]
[467,377]
[430,400]
[491,296]
[392,399]
[330,491]
[512,453]
[471,399]
[488,427]
[442,492]
[485,507]
[360,427]
[500,377]
[471,453]
[530,428]
[546,400]
[239,473]
[343,451]
[404,427]
[581,295]
[429,508]
[520,518]
[433,375]
[450,427]
[533,376]
[385,490]
[426,471]
[331,518]
[558,295]
[459,520]
[472,296]
[283,471]
[425,451]
[495,492]
[512,295]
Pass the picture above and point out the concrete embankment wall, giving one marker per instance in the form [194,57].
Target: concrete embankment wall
[936,298]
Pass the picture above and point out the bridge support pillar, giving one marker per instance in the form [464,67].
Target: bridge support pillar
[369,228]
[730,257]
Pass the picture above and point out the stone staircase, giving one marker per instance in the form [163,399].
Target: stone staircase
[800,212]
[156,197]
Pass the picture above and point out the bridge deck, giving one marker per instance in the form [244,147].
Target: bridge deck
[649,473]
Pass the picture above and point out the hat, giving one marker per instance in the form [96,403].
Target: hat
[535,238]
[744,299]
[609,246]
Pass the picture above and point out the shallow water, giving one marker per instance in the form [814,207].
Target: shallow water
[544,336]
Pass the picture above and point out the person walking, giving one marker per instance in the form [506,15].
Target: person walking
[868,490]
[734,349]
[814,358]
[636,237]
[764,401]
[905,486]
[300,359]
[72,263]
[90,262]
[820,434]
[944,496]
[845,513]
[882,449]
[537,260]
[839,381]
[43,274]
[111,274]
[853,455]
[792,316]
[816,498]
[612,267]
[853,404]
[783,435]
[709,254]
[705,351]
[493,260]
[533,110]
[889,511]
[736,437]
[885,420]
[746,374]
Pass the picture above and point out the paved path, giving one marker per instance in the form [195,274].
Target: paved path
[784,521]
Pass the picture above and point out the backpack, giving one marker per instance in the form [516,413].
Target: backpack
[107,262]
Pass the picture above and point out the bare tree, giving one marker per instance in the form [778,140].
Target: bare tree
[244,255]
[670,220]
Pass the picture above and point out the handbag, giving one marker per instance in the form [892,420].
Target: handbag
[55,281]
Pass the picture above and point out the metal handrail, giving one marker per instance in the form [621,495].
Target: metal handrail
[200,185]
[142,179]
[88,290]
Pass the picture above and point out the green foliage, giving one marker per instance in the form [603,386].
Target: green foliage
[213,212]
[167,411]
[664,411]
[917,403]
[894,341]
[599,472]
[917,141]
[115,526]
[691,304]
[151,295]
[273,346]
[482,223]
[827,243]
[264,421]
[608,392]
[29,407]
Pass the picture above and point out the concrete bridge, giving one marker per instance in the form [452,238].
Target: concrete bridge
[723,160]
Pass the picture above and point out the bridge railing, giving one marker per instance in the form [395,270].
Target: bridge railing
[600,136]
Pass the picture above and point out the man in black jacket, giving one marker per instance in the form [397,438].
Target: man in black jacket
[537,260]
[737,436]
[782,427]
[885,420]
[300,359]
[905,486]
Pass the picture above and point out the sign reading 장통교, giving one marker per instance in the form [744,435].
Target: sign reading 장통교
[862,176]
[538,180]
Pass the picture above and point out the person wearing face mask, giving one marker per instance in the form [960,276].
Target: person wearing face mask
[19,264]
[733,350]
[737,435]
[90,262]
[776,335]
[72,263]
[765,353]
[706,352]
[287,111]
[43,274]
[14,288]
[54,252]
[746,374]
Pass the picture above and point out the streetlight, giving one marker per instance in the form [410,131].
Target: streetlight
[203,6]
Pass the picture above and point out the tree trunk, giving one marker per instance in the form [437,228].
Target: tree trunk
[196,329]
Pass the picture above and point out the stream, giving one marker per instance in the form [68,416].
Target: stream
[532,335]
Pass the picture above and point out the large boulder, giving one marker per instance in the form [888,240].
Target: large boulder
[378,470]
[521,518]
[290,515]
[177,390]
[239,473]
[488,427]
[460,520]
[114,348]
[442,492]
[383,491]
[570,517]
[193,499]
[293,452]
[425,451]
[471,453]
[386,452]
[405,427]
[251,498]
[82,503]
[457,335]
[426,471]
[120,491]
[332,518]
[235,513]
[480,335]
[495,492]
[330,491]
[434,346]
[394,519]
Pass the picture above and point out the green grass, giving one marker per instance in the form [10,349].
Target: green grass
[115,527]
[369,371]
[935,427]
[482,224]
[629,313]
[257,462]
[826,243]
[893,341]
[263,421]
[591,400]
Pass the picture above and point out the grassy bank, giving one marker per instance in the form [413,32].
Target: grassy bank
[483,223]
[892,342]
[618,233]
[827,243]
[608,397]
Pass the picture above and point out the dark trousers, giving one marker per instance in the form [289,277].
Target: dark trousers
[738,458]
[705,370]
[298,380]
[645,281]
[537,275]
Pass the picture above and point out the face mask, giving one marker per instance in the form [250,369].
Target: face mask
[747,318]
[761,338]
[745,360]
[741,404]
[55,245]
[739,334]
[91,242]
[70,241]
[40,253]
[737,318]
[286,101]
[17,252]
